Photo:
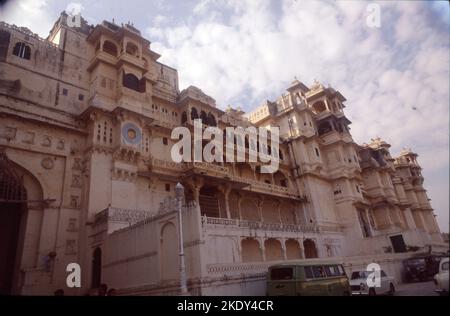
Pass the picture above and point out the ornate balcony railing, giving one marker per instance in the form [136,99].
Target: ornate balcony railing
[265,186]
[267,226]
[207,167]
[238,268]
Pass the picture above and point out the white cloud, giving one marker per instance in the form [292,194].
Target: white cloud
[29,13]
[396,78]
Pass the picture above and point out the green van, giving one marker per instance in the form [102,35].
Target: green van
[307,278]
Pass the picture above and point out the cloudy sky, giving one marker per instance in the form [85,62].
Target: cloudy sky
[395,76]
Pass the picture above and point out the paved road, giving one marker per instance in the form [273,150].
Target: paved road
[416,289]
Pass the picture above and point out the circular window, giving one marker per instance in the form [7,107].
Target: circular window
[131,133]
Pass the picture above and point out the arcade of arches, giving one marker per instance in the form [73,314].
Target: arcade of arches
[252,207]
[273,249]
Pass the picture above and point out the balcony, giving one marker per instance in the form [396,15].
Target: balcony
[334,136]
[266,227]
[206,168]
[382,194]
[166,164]
[162,119]
[113,219]
[263,187]
[130,59]
[165,94]
[101,56]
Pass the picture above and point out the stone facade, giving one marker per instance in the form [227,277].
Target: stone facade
[86,175]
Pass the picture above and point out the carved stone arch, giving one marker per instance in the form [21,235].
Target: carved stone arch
[20,194]
[194,113]
[211,119]
[293,250]
[184,117]
[251,250]
[319,107]
[11,184]
[204,117]
[273,249]
[310,248]
[132,49]
[169,252]
[110,48]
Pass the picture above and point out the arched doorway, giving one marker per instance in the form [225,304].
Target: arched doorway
[250,250]
[310,249]
[96,268]
[273,249]
[169,253]
[13,206]
[293,249]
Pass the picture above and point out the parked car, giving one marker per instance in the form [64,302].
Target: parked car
[441,278]
[308,278]
[421,268]
[359,286]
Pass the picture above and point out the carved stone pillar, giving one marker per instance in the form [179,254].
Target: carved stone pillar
[225,190]
[263,249]
[259,204]
[279,211]
[302,251]
[283,248]
[239,206]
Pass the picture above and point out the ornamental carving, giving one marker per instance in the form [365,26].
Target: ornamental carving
[47,163]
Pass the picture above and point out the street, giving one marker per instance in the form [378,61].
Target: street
[416,289]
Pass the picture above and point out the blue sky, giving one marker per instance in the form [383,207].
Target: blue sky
[395,77]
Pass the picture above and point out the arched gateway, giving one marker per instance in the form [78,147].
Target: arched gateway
[12,207]
[17,189]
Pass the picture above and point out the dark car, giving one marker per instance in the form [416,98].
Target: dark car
[421,268]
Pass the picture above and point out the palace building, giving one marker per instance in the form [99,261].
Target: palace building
[86,176]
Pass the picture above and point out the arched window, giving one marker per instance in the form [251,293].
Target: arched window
[130,81]
[273,250]
[183,117]
[204,117]
[250,250]
[169,252]
[96,268]
[22,50]
[194,114]
[319,107]
[110,48]
[310,249]
[292,249]
[132,49]
[211,120]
